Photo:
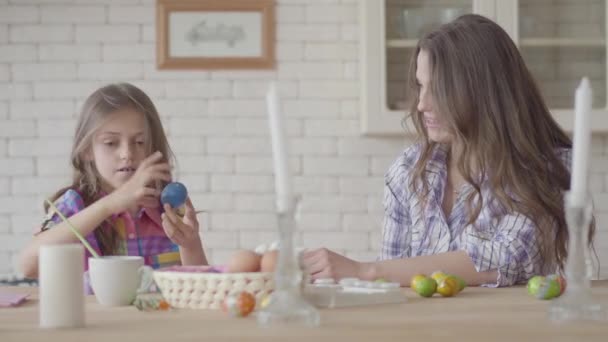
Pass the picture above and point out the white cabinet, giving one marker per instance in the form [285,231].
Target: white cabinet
[561,41]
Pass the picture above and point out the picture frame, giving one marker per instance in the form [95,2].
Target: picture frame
[215,34]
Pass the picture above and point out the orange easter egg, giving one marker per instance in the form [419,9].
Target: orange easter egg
[239,305]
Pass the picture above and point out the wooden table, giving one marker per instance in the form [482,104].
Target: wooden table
[477,314]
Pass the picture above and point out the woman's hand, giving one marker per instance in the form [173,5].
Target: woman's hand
[182,231]
[139,189]
[323,263]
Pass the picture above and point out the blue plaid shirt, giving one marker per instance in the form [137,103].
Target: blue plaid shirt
[497,240]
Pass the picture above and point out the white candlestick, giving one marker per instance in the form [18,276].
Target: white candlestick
[282,181]
[61,268]
[581,142]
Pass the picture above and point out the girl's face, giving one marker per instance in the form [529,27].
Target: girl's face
[118,147]
[433,123]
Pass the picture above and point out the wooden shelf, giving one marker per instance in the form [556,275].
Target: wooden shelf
[562,42]
[401,43]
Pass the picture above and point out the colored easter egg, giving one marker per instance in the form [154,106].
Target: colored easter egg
[265,301]
[544,287]
[438,276]
[448,287]
[174,194]
[561,281]
[461,283]
[534,285]
[550,289]
[416,279]
[424,286]
[239,305]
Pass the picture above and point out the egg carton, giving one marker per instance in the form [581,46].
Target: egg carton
[326,293]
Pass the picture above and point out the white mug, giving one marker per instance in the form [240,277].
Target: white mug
[116,280]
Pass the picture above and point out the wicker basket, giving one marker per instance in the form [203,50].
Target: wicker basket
[199,288]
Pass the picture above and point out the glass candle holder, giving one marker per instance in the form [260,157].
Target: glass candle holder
[577,302]
[287,305]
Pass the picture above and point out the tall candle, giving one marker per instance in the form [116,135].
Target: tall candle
[282,180]
[581,142]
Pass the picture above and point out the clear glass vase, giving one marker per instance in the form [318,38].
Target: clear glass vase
[287,305]
[577,302]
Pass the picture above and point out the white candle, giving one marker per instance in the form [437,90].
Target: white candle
[61,286]
[581,142]
[279,151]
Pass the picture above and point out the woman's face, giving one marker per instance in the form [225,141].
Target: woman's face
[435,127]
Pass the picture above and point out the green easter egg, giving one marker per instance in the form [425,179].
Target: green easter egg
[549,289]
[560,280]
[425,287]
[534,285]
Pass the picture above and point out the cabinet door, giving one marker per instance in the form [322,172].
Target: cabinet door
[390,31]
[562,41]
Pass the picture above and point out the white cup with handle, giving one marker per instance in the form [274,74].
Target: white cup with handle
[116,280]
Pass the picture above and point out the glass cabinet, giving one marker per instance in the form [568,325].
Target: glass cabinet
[561,41]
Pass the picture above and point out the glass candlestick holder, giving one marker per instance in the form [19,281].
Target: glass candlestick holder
[577,302]
[287,305]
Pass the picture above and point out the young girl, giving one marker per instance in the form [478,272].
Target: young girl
[120,158]
[481,194]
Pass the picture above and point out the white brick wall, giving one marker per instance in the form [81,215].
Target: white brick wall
[54,53]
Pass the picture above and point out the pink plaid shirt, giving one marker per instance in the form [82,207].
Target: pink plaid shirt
[142,235]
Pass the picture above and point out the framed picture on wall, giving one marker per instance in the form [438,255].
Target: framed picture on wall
[215,34]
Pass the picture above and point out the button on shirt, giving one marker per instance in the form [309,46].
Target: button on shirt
[497,240]
[142,235]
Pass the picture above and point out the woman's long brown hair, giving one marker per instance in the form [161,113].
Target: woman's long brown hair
[501,126]
[98,106]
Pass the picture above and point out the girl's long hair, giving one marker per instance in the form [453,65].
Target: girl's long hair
[487,97]
[96,109]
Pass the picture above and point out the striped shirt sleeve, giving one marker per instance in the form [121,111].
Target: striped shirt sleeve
[511,249]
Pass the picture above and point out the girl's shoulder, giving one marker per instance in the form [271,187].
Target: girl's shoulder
[69,202]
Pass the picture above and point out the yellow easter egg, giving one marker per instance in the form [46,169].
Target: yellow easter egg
[448,287]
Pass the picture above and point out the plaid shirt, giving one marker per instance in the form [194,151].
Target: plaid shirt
[142,235]
[497,240]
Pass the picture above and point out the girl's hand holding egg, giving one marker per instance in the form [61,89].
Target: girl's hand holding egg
[175,195]
[182,228]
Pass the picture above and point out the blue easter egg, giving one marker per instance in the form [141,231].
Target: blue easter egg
[175,194]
